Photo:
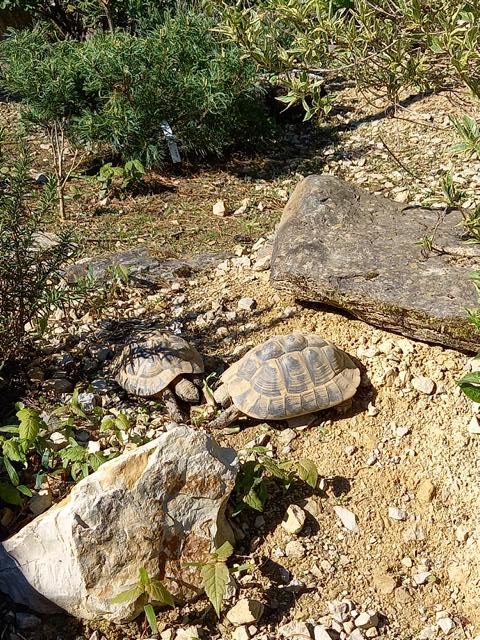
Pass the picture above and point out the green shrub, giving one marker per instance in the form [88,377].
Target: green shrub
[116,90]
[30,264]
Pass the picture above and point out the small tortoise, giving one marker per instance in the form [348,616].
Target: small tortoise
[153,361]
[285,377]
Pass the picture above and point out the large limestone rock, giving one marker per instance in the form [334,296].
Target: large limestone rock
[339,245]
[159,506]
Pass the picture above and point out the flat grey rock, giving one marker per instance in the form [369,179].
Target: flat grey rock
[143,267]
[341,246]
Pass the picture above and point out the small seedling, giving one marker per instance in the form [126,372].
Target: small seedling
[152,592]
[469,133]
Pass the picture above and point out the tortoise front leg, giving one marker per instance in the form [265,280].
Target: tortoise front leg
[225,418]
[171,404]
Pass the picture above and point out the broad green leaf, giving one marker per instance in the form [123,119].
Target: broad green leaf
[12,472]
[130,595]
[122,422]
[96,460]
[25,490]
[107,424]
[307,471]
[75,405]
[151,618]
[254,501]
[9,429]
[246,566]
[224,552]
[9,494]
[12,450]
[30,423]
[158,592]
[73,453]
[470,385]
[215,577]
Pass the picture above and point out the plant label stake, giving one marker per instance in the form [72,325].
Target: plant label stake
[170,139]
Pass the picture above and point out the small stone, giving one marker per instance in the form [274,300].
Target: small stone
[320,633]
[462,533]
[86,401]
[402,596]
[240,633]
[425,491]
[36,374]
[422,384]
[396,514]
[40,501]
[350,450]
[259,521]
[402,431]
[246,304]
[242,208]
[58,439]
[371,633]
[447,625]
[294,519]
[356,635]
[59,385]
[347,518]
[384,583]
[245,611]
[168,634]
[294,549]
[407,562]
[286,436]
[218,208]
[421,577]
[427,633]
[474,426]
[372,410]
[188,633]
[294,629]
[289,312]
[262,264]
[93,446]
[366,620]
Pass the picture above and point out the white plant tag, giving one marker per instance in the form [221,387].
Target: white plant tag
[170,139]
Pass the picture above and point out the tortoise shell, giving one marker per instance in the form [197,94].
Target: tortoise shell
[289,376]
[153,359]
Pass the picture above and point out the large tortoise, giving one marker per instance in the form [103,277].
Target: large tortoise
[160,364]
[286,377]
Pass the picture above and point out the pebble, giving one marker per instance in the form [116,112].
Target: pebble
[421,577]
[188,633]
[40,501]
[59,385]
[168,634]
[241,633]
[347,518]
[396,514]
[424,385]
[294,519]
[262,264]
[372,410]
[462,533]
[384,582]
[474,426]
[447,625]
[356,635]
[218,208]
[366,620]
[320,633]
[294,549]
[294,629]
[245,611]
[425,491]
[246,304]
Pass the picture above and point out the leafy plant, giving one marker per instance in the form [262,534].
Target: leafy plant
[151,592]
[453,196]
[471,220]
[31,265]
[469,133]
[257,470]
[470,383]
[132,172]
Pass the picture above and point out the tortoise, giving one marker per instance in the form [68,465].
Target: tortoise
[156,363]
[286,377]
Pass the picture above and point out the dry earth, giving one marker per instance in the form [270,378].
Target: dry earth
[403,461]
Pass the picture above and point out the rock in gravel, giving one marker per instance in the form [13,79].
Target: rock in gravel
[474,426]
[86,550]
[425,491]
[40,501]
[384,583]
[188,633]
[447,625]
[347,518]
[240,633]
[245,611]
[246,304]
[356,635]
[320,633]
[294,630]
[338,244]
[294,549]
[218,208]
[366,619]
[294,519]
[396,514]
[262,264]
[424,385]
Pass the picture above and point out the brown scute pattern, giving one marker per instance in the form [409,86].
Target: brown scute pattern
[289,376]
[153,359]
